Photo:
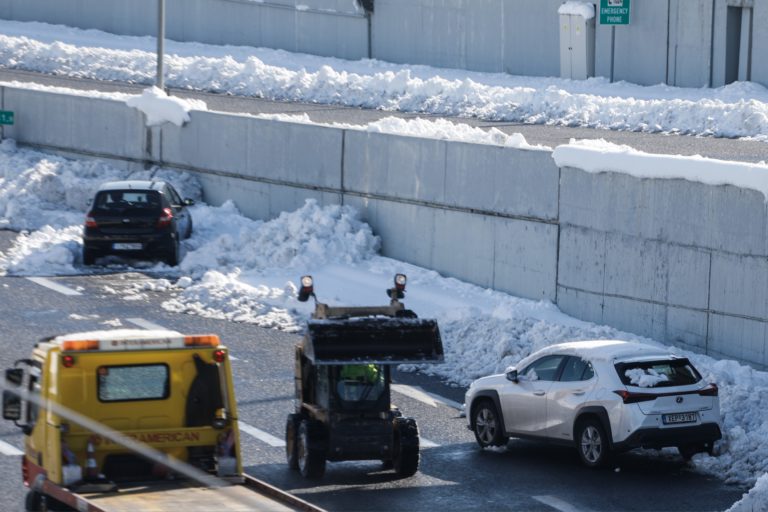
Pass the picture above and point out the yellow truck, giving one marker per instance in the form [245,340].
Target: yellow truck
[133,420]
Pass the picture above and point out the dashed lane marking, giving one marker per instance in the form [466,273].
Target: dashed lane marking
[557,504]
[60,288]
[424,396]
[260,434]
[146,324]
[9,449]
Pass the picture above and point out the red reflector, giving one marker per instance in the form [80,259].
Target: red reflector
[632,398]
[68,361]
[710,390]
[90,222]
[219,356]
[166,218]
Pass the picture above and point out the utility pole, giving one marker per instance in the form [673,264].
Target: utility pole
[160,82]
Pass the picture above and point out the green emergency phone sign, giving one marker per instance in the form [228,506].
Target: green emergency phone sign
[6,117]
[614,12]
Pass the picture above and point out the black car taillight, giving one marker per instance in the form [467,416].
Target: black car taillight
[710,390]
[90,222]
[632,398]
[165,218]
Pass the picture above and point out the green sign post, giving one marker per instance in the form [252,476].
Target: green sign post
[614,12]
[6,117]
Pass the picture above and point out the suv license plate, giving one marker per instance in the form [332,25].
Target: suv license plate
[681,417]
[126,247]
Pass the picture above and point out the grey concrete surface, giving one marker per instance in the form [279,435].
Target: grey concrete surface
[674,260]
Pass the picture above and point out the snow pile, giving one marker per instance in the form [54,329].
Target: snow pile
[645,378]
[584,9]
[736,110]
[756,500]
[600,156]
[160,108]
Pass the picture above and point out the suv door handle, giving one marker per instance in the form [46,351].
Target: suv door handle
[539,393]
[578,393]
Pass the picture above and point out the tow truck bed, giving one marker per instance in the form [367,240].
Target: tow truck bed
[188,497]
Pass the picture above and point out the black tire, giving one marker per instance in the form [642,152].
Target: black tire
[487,425]
[89,256]
[173,255]
[592,443]
[291,436]
[310,449]
[406,447]
[33,501]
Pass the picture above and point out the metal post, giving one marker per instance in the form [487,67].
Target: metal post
[160,82]
[613,49]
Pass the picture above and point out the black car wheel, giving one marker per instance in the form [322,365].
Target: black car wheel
[406,447]
[310,454]
[291,433]
[592,443]
[487,425]
[89,256]
[173,256]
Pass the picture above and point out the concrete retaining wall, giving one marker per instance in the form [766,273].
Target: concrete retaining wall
[677,261]
[679,42]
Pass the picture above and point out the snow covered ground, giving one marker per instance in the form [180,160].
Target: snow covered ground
[737,110]
[246,271]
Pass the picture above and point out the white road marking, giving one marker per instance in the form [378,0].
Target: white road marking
[426,443]
[557,503]
[145,324]
[426,397]
[54,286]
[260,434]
[9,449]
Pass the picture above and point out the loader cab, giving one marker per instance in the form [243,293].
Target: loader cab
[343,405]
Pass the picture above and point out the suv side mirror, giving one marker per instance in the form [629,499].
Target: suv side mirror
[188,202]
[512,374]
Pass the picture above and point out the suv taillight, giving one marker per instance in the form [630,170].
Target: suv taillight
[632,398]
[90,222]
[710,390]
[165,218]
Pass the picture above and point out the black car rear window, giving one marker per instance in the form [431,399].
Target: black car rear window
[653,374]
[126,201]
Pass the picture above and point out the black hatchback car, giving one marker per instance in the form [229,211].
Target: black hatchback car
[136,218]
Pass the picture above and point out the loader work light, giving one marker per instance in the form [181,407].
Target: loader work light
[398,292]
[307,288]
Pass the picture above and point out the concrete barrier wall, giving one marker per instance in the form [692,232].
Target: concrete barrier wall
[679,42]
[677,261]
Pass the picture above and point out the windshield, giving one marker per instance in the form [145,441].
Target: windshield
[359,385]
[650,374]
[122,201]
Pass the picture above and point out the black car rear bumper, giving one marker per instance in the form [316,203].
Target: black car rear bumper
[150,243]
[673,436]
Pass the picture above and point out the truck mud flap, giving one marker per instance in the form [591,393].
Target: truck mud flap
[373,340]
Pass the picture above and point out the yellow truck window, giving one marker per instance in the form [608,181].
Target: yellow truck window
[134,382]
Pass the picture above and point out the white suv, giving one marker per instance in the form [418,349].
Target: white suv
[600,396]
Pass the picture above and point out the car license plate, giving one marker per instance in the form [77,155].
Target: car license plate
[127,247]
[680,417]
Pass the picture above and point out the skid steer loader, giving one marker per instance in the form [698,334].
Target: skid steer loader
[343,364]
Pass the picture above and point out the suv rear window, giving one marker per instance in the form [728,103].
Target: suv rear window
[648,374]
[121,201]
[135,382]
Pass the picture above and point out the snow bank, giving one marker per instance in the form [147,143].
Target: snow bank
[756,500]
[584,9]
[736,110]
[600,156]
[160,108]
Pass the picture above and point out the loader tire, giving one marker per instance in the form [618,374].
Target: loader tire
[311,449]
[33,502]
[291,439]
[406,447]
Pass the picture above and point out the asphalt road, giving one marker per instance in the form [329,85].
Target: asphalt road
[720,148]
[454,475]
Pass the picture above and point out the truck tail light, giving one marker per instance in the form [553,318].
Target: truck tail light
[165,218]
[219,356]
[68,361]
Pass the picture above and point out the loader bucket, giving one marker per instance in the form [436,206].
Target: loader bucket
[378,340]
